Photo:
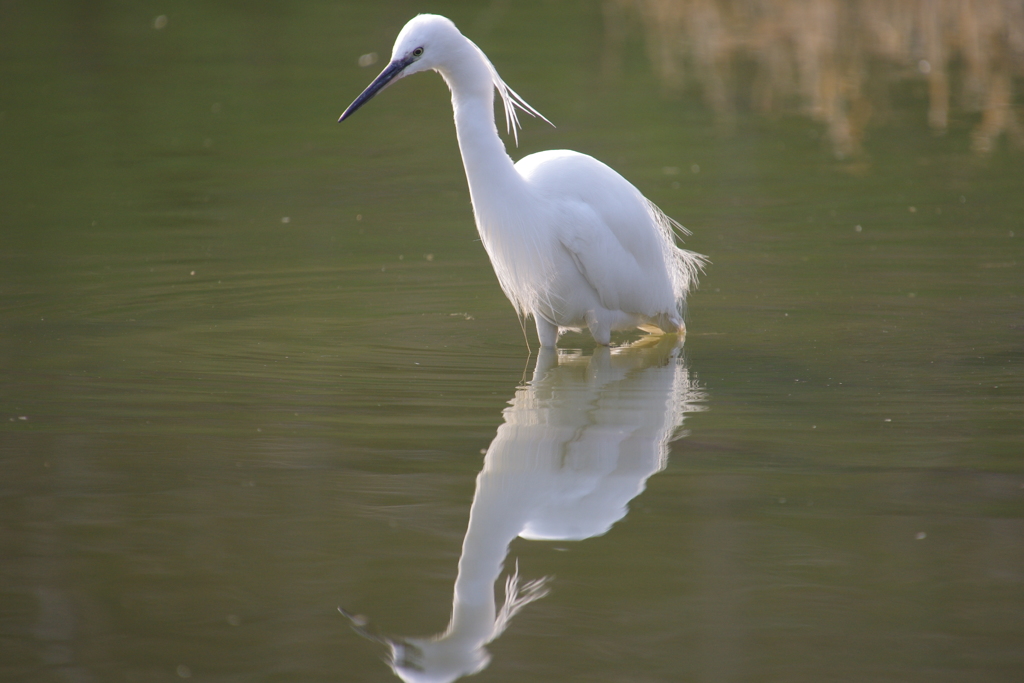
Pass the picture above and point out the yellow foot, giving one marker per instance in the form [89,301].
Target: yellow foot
[657,331]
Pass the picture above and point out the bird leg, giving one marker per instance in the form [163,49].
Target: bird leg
[601,331]
[547,331]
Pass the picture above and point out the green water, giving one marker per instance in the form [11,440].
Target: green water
[251,361]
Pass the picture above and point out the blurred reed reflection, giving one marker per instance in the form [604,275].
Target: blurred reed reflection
[836,60]
[578,443]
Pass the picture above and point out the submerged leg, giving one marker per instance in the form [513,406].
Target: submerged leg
[547,332]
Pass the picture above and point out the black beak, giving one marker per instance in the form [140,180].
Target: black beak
[390,72]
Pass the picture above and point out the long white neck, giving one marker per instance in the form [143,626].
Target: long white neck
[493,179]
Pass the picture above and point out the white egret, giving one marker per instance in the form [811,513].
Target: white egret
[572,242]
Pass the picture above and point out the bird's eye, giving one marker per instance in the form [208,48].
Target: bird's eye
[417,52]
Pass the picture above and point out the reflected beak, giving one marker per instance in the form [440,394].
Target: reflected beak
[391,72]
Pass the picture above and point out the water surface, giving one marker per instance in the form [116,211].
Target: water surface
[254,362]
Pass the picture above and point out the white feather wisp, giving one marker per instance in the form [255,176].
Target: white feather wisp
[684,265]
[510,100]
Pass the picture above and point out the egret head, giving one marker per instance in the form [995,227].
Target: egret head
[427,42]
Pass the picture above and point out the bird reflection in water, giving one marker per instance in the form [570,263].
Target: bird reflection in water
[578,443]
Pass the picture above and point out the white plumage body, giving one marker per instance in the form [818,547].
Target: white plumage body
[572,242]
[587,249]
